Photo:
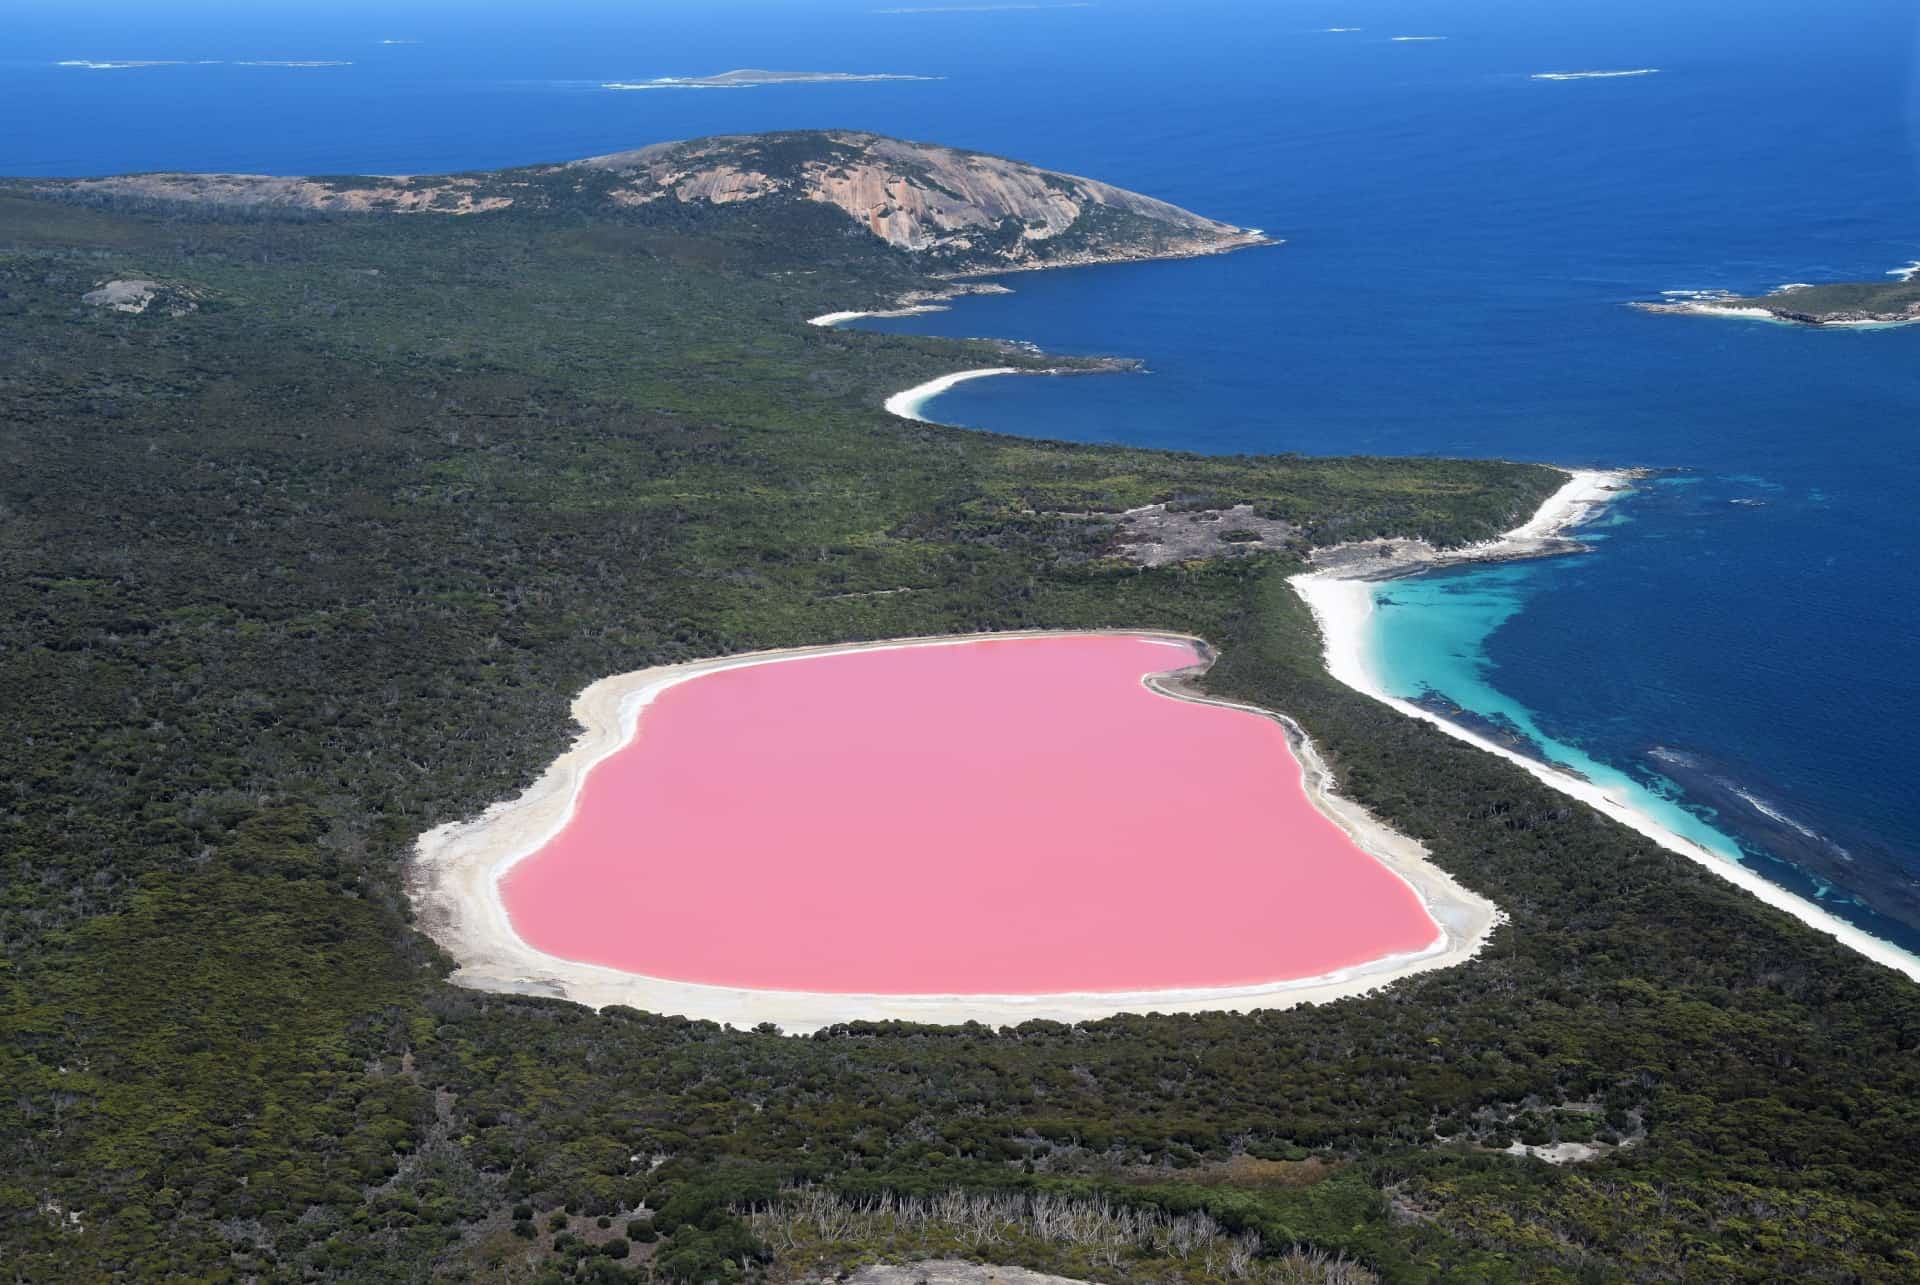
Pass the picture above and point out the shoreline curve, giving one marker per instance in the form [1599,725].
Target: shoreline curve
[909,402]
[454,874]
[1341,599]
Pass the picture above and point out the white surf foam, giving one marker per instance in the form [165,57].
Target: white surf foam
[1703,296]
[708,82]
[127,64]
[1774,814]
[1594,75]
[120,64]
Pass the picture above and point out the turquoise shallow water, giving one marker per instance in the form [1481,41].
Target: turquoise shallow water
[1456,642]
[1429,645]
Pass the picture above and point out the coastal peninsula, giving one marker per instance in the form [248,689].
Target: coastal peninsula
[1842,303]
[956,212]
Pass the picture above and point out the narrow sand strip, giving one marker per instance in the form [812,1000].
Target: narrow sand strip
[840,318]
[454,884]
[908,402]
[1342,602]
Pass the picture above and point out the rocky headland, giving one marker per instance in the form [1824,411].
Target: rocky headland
[1845,303]
[957,213]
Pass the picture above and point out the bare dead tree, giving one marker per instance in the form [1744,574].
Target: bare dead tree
[1111,1234]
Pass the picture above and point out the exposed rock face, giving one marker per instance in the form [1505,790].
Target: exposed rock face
[1154,535]
[925,198]
[121,296]
[137,295]
[1842,303]
[962,212]
[1893,314]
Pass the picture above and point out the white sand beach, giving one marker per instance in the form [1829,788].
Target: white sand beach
[841,318]
[1342,602]
[453,882]
[908,402]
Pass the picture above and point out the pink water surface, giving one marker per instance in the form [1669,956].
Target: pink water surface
[1014,816]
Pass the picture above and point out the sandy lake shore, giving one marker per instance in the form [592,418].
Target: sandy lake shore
[456,871]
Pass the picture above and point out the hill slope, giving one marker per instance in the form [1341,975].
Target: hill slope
[938,201]
[960,211]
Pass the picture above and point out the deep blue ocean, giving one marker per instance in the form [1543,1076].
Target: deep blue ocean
[1461,240]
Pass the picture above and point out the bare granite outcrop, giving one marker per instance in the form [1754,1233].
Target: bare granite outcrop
[963,213]
[922,197]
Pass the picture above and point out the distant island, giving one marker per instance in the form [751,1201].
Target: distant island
[1841,303]
[748,77]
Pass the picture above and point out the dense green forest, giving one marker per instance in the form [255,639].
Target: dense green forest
[299,572]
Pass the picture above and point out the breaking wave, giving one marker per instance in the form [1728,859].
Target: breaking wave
[129,64]
[120,64]
[1699,296]
[1594,75]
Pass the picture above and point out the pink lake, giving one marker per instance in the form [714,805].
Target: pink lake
[1007,816]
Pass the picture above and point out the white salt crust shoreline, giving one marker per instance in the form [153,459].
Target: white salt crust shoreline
[1342,602]
[454,877]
